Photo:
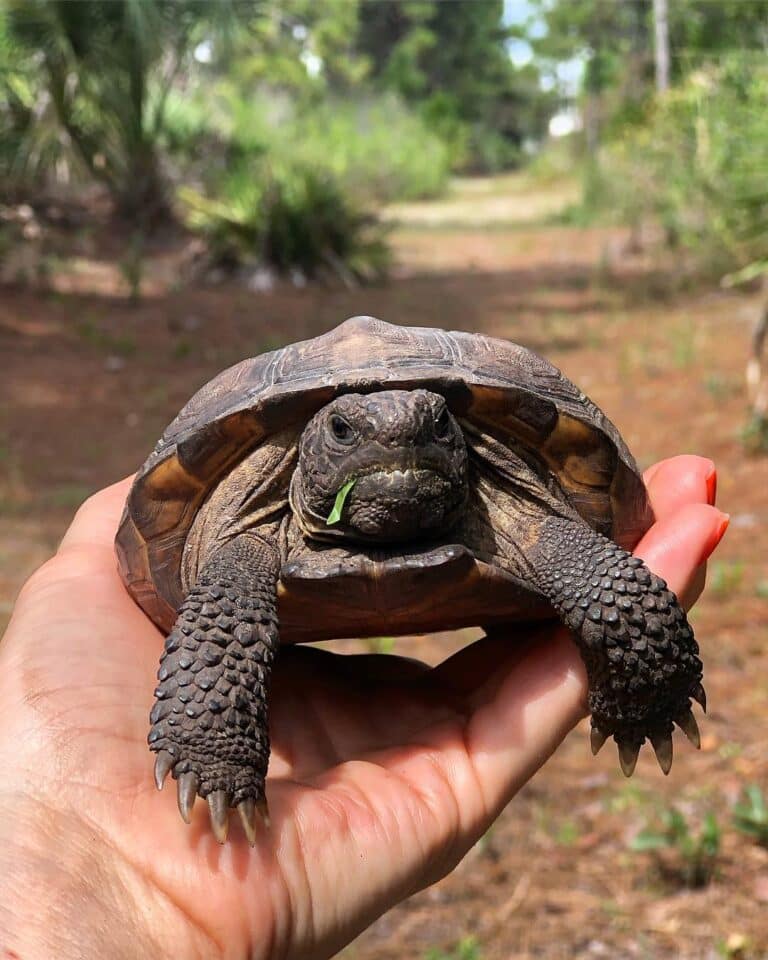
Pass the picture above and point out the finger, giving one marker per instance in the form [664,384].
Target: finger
[469,669]
[523,712]
[534,696]
[695,588]
[678,481]
[96,521]
[678,545]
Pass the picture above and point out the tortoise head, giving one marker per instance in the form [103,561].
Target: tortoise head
[393,464]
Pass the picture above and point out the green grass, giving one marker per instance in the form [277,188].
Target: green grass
[567,833]
[682,344]
[734,947]
[485,845]
[335,515]
[750,815]
[181,349]
[90,333]
[720,387]
[683,852]
[629,796]
[726,577]
[468,948]
[69,495]
[754,435]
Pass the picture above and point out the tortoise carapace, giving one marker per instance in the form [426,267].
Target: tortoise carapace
[381,479]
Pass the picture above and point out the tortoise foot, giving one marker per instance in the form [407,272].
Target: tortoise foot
[639,650]
[630,741]
[209,722]
[195,778]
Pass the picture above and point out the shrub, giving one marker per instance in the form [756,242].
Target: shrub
[697,166]
[377,149]
[289,217]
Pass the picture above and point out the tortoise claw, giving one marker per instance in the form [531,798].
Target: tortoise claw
[261,806]
[163,765]
[662,745]
[218,803]
[188,784]
[700,696]
[596,740]
[687,723]
[247,810]
[628,757]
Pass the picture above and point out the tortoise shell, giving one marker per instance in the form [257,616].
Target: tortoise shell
[489,382]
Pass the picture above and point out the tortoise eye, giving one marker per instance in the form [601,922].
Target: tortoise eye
[341,430]
[443,423]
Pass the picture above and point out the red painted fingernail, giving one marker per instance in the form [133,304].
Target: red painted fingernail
[717,536]
[711,482]
[725,519]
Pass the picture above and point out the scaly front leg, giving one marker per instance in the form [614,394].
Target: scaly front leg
[209,721]
[641,657]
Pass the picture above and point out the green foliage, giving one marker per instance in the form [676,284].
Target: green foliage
[555,162]
[290,217]
[750,815]
[291,185]
[698,166]
[568,833]
[376,148]
[466,949]
[97,75]
[615,42]
[754,434]
[725,577]
[302,47]
[682,852]
[701,32]
[92,333]
[451,61]
[381,644]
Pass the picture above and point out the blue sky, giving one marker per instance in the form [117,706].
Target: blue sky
[518,12]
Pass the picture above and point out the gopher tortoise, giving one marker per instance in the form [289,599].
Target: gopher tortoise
[383,479]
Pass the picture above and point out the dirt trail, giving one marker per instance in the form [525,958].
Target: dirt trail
[89,382]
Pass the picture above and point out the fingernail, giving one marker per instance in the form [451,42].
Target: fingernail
[711,481]
[725,519]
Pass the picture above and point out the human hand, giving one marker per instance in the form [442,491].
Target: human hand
[384,772]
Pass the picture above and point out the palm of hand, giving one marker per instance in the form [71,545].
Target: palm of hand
[375,759]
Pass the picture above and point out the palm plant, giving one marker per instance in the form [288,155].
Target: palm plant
[100,74]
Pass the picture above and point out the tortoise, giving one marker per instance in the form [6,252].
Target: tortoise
[389,479]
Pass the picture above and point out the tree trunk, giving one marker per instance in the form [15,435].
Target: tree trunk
[757,378]
[661,31]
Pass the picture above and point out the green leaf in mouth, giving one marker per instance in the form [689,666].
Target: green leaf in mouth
[335,515]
